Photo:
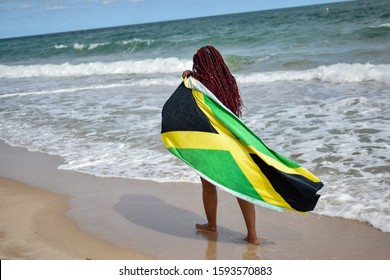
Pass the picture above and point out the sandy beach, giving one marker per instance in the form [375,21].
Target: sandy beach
[48,213]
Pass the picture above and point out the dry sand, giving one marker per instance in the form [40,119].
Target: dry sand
[46,213]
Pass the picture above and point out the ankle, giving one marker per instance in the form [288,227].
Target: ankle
[212,227]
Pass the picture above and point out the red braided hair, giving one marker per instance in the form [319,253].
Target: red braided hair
[210,69]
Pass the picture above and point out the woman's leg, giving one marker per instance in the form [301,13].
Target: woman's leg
[210,201]
[249,212]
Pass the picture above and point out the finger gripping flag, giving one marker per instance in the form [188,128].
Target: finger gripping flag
[207,136]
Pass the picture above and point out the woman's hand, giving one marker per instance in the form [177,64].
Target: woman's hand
[186,73]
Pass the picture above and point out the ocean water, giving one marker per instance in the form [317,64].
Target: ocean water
[315,82]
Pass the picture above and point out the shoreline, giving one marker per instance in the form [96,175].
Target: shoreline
[67,215]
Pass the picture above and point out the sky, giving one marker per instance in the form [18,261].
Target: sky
[34,17]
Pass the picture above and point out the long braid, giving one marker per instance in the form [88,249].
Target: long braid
[210,69]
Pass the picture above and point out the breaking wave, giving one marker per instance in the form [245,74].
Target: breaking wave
[336,73]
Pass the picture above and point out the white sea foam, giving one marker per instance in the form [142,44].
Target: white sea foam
[61,46]
[139,82]
[384,25]
[147,66]
[78,46]
[62,90]
[81,46]
[336,73]
[95,45]
[137,41]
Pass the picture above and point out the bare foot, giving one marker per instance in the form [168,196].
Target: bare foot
[206,228]
[254,241]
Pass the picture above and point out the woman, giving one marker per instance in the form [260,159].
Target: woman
[210,69]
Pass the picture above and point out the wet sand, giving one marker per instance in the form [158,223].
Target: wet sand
[46,213]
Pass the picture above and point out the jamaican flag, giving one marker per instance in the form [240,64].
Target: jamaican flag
[202,132]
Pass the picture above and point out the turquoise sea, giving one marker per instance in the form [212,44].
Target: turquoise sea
[315,82]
